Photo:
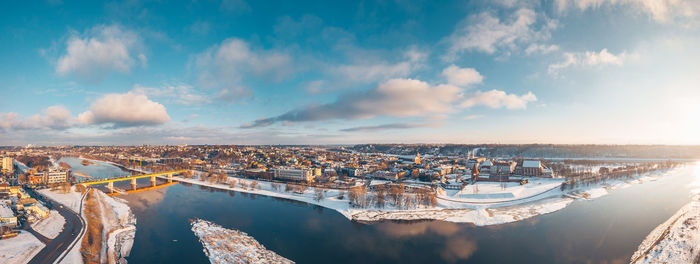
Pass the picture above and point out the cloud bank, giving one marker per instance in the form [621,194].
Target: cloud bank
[395,97]
[125,110]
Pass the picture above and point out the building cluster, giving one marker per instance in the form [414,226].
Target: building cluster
[51,176]
[300,163]
[15,172]
[16,204]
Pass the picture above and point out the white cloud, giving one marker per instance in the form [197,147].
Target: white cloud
[660,10]
[381,71]
[123,110]
[499,99]
[462,76]
[486,33]
[540,48]
[588,58]
[472,117]
[103,50]
[395,97]
[224,66]
[183,94]
[53,117]
[374,72]
[314,87]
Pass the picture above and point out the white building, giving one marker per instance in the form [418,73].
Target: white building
[532,168]
[294,174]
[7,216]
[56,176]
[7,164]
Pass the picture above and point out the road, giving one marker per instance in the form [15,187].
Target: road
[63,242]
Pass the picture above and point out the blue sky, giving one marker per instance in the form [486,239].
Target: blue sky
[327,72]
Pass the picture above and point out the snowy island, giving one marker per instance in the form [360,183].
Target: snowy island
[223,245]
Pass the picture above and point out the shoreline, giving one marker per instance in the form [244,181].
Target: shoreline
[478,211]
[480,214]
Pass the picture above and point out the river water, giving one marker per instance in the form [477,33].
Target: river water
[606,229]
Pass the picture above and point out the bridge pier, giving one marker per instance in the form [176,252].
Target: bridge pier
[110,186]
[153,181]
[170,178]
[133,184]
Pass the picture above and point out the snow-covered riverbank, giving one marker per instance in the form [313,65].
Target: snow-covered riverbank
[119,228]
[678,239]
[118,222]
[223,245]
[542,198]
[675,241]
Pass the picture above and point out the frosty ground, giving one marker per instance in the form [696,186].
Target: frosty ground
[20,249]
[675,241]
[51,226]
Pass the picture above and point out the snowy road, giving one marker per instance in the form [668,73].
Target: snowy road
[63,242]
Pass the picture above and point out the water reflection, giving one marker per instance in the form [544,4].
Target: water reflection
[147,199]
[404,229]
[458,248]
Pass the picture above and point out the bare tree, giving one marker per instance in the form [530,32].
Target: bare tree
[232,183]
[380,197]
[358,196]
[318,195]
[396,193]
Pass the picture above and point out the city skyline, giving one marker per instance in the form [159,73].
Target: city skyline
[237,72]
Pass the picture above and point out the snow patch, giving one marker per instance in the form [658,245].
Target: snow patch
[223,245]
[70,199]
[51,226]
[20,249]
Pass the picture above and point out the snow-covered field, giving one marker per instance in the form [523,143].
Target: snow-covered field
[51,226]
[223,245]
[70,199]
[494,192]
[675,241]
[20,249]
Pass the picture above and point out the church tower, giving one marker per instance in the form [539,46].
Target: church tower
[417,159]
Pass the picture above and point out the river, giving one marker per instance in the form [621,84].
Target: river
[606,229]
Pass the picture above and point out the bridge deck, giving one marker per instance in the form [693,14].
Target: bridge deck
[132,177]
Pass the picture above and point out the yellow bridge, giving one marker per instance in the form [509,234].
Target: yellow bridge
[110,182]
